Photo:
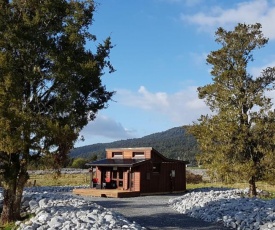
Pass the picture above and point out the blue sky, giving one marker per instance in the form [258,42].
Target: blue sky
[160,60]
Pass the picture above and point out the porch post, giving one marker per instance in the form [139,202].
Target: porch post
[130,179]
[91,176]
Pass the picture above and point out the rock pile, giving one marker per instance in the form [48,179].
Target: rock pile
[54,209]
[231,207]
[61,211]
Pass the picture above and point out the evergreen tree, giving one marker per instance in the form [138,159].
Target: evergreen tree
[237,141]
[50,85]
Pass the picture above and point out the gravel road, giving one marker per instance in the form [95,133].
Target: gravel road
[153,212]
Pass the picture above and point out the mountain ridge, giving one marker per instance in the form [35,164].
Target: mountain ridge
[174,143]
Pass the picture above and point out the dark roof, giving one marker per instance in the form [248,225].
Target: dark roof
[117,162]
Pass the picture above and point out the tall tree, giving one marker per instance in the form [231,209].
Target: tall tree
[237,141]
[50,85]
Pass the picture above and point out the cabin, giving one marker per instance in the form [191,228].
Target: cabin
[142,170]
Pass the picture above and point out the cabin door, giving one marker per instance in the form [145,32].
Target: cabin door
[118,177]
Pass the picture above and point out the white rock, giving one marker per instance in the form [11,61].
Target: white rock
[228,206]
[108,217]
[33,204]
[29,228]
[43,217]
[56,222]
[43,202]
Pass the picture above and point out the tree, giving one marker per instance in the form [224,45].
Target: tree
[50,85]
[79,163]
[237,140]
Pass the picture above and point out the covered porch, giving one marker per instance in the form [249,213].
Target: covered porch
[116,174]
[115,193]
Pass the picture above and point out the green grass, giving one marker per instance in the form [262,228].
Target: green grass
[12,226]
[8,226]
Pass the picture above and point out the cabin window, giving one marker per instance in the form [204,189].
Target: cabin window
[138,154]
[173,173]
[156,167]
[117,154]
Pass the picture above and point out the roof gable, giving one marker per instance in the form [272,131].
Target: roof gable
[129,157]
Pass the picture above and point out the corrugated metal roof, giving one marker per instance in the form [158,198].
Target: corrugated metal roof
[117,162]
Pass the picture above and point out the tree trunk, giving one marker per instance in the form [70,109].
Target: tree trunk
[10,177]
[7,214]
[14,179]
[21,181]
[252,187]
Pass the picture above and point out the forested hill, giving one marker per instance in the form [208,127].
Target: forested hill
[174,143]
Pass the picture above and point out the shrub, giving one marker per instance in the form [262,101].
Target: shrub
[79,163]
[192,178]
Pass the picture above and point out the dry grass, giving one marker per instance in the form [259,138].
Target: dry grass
[260,185]
[62,180]
[84,179]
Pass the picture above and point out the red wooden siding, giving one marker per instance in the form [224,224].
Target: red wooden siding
[162,181]
[109,154]
[125,180]
[135,181]
[98,175]
[128,152]
[153,175]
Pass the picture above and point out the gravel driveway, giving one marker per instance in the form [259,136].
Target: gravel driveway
[153,212]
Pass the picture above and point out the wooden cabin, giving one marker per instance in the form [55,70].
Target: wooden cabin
[143,170]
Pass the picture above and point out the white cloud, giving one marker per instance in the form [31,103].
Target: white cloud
[106,129]
[249,12]
[143,99]
[256,71]
[182,107]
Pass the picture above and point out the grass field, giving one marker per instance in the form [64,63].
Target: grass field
[62,180]
[84,179]
[260,185]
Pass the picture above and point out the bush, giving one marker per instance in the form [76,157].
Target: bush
[80,163]
[192,178]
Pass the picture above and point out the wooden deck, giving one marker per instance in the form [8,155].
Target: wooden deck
[116,193]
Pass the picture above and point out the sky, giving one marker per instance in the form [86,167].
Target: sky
[160,50]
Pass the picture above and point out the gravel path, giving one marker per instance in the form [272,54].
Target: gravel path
[153,212]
